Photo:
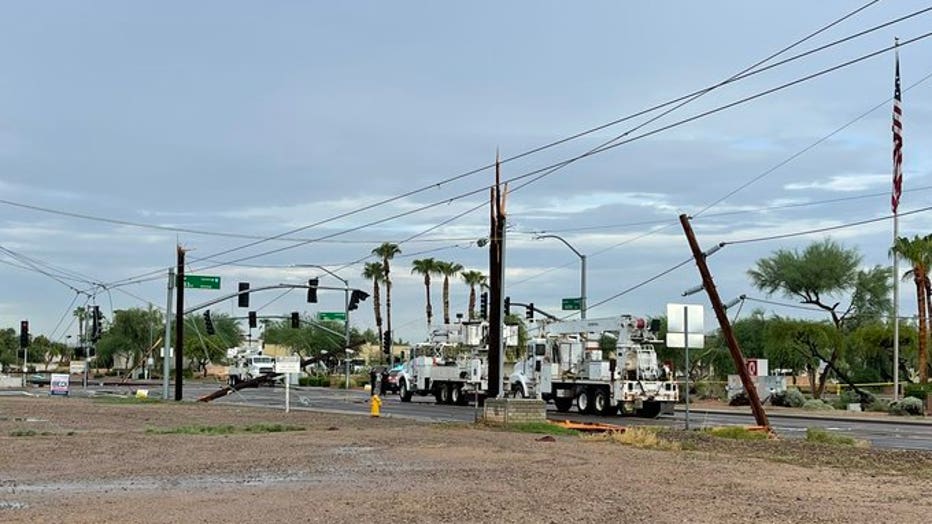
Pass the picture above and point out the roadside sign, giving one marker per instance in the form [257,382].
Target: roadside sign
[201,282]
[77,367]
[331,315]
[677,323]
[572,304]
[59,384]
[287,364]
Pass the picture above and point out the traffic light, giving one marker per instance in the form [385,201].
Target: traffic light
[295,320]
[529,313]
[243,297]
[24,334]
[95,323]
[312,290]
[355,297]
[387,342]
[484,306]
[507,306]
[252,319]
[209,323]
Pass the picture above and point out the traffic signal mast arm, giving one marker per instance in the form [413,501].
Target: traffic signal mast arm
[531,305]
[211,302]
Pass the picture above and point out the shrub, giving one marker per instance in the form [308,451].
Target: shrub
[642,437]
[907,406]
[920,391]
[879,405]
[817,405]
[822,436]
[790,398]
[710,390]
[737,433]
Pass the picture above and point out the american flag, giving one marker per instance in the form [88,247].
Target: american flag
[897,141]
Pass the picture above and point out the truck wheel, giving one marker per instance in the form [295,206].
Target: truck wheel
[233,380]
[404,392]
[584,401]
[563,403]
[602,404]
[456,395]
[442,393]
[649,410]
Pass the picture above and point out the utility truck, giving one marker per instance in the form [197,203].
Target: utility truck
[453,365]
[248,363]
[565,364]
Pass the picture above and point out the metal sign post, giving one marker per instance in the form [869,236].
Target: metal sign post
[288,365]
[680,319]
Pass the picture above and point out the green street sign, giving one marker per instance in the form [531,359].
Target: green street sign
[201,282]
[331,315]
[572,304]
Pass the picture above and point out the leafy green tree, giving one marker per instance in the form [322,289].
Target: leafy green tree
[426,267]
[48,350]
[448,269]
[202,349]
[918,252]
[869,355]
[824,275]
[801,345]
[9,344]
[473,279]
[130,336]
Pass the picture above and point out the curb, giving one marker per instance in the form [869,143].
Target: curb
[812,416]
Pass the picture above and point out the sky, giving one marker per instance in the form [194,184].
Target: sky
[266,136]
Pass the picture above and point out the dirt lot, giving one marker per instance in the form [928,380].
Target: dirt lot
[78,460]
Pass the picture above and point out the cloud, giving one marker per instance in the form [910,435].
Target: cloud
[842,183]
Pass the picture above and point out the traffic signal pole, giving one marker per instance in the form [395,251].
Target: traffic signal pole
[166,356]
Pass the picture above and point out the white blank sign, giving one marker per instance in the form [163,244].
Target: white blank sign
[677,315]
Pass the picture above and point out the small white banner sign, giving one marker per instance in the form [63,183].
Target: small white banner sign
[77,367]
[288,364]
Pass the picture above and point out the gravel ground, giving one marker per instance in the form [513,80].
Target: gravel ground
[80,460]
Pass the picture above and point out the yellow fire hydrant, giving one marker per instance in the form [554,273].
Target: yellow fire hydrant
[374,406]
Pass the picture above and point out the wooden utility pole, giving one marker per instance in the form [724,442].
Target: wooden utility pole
[179,325]
[496,284]
[756,407]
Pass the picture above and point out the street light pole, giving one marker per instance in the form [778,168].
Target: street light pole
[582,280]
[346,329]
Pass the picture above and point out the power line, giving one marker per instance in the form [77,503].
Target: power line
[638,285]
[825,229]
[606,146]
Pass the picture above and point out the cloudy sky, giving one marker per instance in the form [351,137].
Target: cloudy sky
[129,127]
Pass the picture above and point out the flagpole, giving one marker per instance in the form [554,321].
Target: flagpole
[897,166]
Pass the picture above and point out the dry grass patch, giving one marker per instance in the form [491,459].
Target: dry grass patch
[639,437]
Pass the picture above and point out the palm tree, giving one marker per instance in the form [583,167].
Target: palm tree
[386,252]
[375,272]
[473,279]
[426,267]
[447,269]
[917,252]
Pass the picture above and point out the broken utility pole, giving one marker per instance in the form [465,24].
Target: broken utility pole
[759,415]
[496,284]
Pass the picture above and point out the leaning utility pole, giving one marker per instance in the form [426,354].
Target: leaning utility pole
[179,324]
[759,415]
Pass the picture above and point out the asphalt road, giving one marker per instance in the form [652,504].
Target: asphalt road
[884,433]
[895,434]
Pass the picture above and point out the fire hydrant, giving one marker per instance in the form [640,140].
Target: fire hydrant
[375,405]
